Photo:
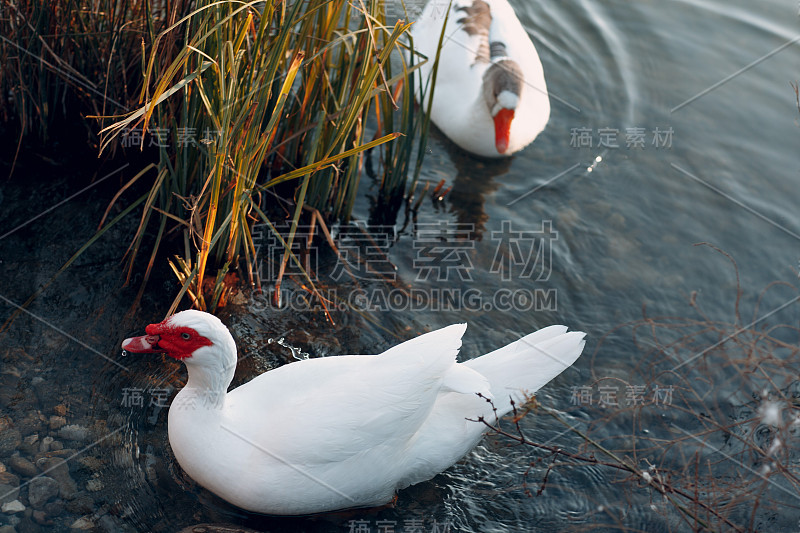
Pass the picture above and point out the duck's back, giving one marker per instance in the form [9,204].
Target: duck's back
[336,432]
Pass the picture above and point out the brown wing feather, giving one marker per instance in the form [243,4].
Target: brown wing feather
[477,20]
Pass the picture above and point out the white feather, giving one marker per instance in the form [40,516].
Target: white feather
[348,431]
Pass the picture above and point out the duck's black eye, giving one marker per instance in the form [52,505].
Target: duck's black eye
[185,336]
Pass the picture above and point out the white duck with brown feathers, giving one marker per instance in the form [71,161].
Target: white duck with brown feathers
[490,96]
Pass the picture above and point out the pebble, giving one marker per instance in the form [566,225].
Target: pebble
[7,478]
[82,524]
[74,432]
[82,504]
[57,469]
[7,529]
[64,453]
[108,524]
[45,445]
[41,490]
[54,508]
[92,463]
[22,466]
[41,518]
[60,409]
[94,485]
[9,392]
[27,525]
[57,422]
[14,506]
[2,467]
[41,389]
[30,424]
[8,493]
[10,439]
[30,444]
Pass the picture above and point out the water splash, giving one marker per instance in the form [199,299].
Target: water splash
[297,353]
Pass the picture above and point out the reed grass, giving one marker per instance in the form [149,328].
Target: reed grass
[287,90]
[69,55]
[247,101]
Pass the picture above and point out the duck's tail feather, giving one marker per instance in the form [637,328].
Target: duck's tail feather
[524,366]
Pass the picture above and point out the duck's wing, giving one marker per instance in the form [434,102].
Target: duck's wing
[466,38]
[473,22]
[332,409]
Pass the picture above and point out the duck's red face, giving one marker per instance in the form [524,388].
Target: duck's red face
[179,342]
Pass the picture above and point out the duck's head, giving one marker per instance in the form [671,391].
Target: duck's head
[502,87]
[198,339]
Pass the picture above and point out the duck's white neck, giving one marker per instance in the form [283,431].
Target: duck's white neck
[208,380]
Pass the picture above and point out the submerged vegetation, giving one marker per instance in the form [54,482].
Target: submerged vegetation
[252,110]
[705,428]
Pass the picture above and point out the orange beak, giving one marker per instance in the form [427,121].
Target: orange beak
[502,129]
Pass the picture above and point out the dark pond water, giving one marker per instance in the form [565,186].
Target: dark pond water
[673,123]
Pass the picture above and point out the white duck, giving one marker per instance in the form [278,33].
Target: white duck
[490,96]
[338,432]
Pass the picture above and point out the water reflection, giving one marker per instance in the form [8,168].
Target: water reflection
[474,181]
[459,185]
